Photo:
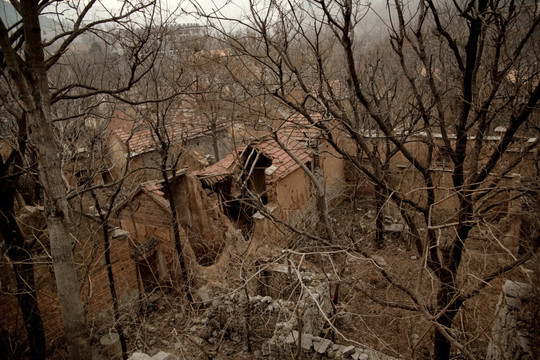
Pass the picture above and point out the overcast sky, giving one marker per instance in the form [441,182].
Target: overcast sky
[229,8]
[371,24]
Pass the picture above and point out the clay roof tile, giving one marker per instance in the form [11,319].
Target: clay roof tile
[283,163]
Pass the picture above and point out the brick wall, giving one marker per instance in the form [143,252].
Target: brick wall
[98,298]
[124,272]
[144,218]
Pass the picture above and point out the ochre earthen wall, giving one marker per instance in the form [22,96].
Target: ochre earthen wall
[292,192]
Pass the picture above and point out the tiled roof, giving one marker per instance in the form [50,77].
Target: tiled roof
[145,140]
[300,129]
[280,159]
[221,168]
[154,186]
[154,191]
[139,143]
[282,163]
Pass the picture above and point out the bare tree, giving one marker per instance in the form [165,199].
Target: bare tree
[18,249]
[25,67]
[157,101]
[450,75]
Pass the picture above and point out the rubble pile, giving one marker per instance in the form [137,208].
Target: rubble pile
[234,315]
[294,322]
[159,356]
[285,345]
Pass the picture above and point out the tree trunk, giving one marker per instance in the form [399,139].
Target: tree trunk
[112,288]
[178,245]
[441,345]
[379,217]
[176,230]
[448,308]
[56,209]
[29,76]
[215,143]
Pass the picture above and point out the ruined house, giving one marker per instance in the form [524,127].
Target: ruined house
[265,178]
[142,244]
[184,133]
[146,216]
[263,172]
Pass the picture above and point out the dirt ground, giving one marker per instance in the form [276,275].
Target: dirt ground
[368,308]
[409,334]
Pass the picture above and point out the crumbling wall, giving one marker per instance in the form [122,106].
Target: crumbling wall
[284,345]
[238,316]
[206,227]
[509,338]
[93,271]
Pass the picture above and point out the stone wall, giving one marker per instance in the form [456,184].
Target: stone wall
[509,336]
[235,315]
[285,346]
[275,320]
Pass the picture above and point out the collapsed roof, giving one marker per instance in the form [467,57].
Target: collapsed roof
[282,163]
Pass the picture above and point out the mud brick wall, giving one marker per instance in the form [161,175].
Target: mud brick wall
[95,290]
[124,272]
